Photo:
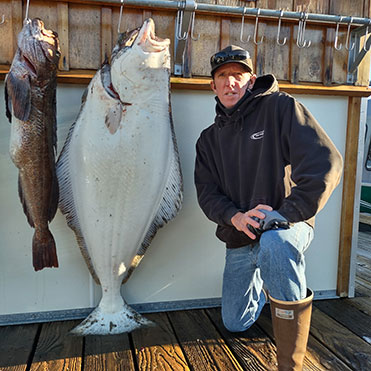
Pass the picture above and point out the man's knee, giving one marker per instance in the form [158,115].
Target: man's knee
[237,322]
[235,325]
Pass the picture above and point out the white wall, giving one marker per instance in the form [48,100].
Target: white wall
[185,260]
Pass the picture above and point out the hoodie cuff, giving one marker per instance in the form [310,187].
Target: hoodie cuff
[291,213]
[228,214]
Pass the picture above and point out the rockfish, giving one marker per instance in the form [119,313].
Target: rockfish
[30,95]
[119,171]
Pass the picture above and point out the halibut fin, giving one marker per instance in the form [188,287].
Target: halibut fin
[170,205]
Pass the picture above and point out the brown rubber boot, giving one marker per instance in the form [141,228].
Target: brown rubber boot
[291,323]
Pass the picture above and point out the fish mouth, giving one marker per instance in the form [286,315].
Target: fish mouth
[148,41]
[39,32]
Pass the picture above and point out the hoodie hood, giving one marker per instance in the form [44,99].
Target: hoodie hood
[264,85]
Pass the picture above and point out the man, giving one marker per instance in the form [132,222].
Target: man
[263,170]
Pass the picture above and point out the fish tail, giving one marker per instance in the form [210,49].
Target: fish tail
[44,253]
[100,322]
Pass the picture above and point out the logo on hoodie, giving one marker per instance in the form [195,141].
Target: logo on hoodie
[258,135]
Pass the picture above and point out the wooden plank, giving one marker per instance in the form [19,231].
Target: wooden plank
[16,345]
[6,47]
[202,50]
[46,11]
[365,218]
[106,33]
[277,4]
[311,6]
[363,74]
[271,57]
[84,32]
[294,57]
[248,30]
[364,269]
[361,303]
[329,56]
[347,210]
[131,18]
[252,348]
[362,287]
[202,344]
[318,357]
[165,26]
[157,348]
[311,59]
[17,21]
[146,14]
[63,29]
[349,8]
[225,30]
[364,241]
[57,349]
[108,353]
[351,349]
[340,60]
[342,312]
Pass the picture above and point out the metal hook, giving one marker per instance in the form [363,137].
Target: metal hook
[2,19]
[279,31]
[26,15]
[242,25]
[365,41]
[179,24]
[347,42]
[336,46]
[120,16]
[300,41]
[193,25]
[256,29]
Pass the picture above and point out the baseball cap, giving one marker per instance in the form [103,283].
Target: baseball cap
[231,54]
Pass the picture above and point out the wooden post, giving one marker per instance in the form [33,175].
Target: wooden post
[17,20]
[349,183]
[225,27]
[64,61]
[106,33]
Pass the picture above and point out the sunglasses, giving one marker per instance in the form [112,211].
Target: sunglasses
[233,55]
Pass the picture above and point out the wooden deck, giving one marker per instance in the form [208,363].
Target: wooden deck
[340,339]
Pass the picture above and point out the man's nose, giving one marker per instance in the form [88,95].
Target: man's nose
[230,81]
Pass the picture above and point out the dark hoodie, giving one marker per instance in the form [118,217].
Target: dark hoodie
[268,149]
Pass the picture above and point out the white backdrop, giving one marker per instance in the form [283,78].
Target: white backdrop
[185,260]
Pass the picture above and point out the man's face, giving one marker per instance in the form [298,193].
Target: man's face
[230,83]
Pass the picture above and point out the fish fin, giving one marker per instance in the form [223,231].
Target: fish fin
[54,198]
[44,253]
[100,322]
[24,203]
[19,92]
[54,126]
[171,202]
[8,102]
[66,202]
[113,118]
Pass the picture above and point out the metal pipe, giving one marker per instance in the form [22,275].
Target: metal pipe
[223,9]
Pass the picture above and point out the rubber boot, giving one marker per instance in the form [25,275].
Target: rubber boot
[291,323]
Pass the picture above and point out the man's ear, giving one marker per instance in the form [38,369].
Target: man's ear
[251,82]
[212,84]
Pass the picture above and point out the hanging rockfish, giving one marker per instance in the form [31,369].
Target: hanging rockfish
[30,95]
[119,171]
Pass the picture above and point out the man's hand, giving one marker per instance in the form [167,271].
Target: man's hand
[241,221]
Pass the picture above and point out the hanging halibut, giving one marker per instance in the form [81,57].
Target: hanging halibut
[119,171]
[30,95]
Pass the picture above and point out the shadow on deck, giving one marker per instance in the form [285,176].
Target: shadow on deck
[340,339]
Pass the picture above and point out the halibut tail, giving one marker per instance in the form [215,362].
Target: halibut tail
[44,252]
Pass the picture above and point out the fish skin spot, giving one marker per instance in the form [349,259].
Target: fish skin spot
[112,326]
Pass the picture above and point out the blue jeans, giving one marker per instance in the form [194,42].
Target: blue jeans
[277,260]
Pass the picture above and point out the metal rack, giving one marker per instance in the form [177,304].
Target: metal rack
[186,10]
